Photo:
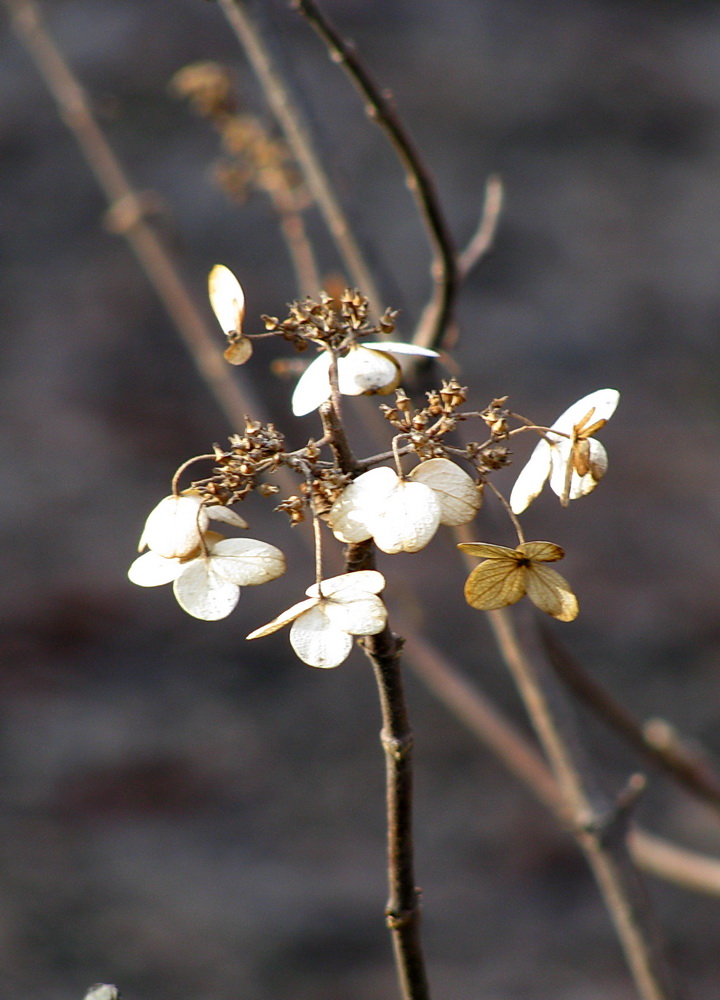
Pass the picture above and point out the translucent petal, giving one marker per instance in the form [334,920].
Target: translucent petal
[363,370]
[201,592]
[495,584]
[348,515]
[486,551]
[364,615]
[551,593]
[397,347]
[246,561]
[238,351]
[406,519]
[226,298]
[313,387]
[317,642]
[227,515]
[283,619]
[152,570]
[580,486]
[531,480]
[541,551]
[174,527]
[455,490]
[602,402]
[364,581]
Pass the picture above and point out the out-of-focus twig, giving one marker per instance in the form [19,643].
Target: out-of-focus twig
[483,237]
[437,316]
[600,825]
[655,740]
[127,212]
[290,120]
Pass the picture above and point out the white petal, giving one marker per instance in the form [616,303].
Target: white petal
[396,347]
[317,642]
[364,581]
[363,615]
[406,519]
[283,619]
[226,298]
[203,593]
[602,402]
[455,490]
[531,480]
[152,570]
[313,388]
[580,486]
[348,515]
[174,527]
[227,515]
[246,561]
[363,370]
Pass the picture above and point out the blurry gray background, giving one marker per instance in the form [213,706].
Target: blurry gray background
[191,816]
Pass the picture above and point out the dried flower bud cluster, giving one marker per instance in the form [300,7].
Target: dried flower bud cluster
[399,510]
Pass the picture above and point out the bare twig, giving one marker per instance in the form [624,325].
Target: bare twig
[654,740]
[437,316]
[484,235]
[290,120]
[600,826]
[128,212]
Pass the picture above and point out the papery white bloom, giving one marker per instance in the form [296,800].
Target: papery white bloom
[366,368]
[174,528]
[207,585]
[402,515]
[573,461]
[226,298]
[337,609]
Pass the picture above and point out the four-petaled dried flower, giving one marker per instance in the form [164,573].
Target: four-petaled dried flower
[572,459]
[366,368]
[505,575]
[403,514]
[207,582]
[336,610]
[228,302]
[175,527]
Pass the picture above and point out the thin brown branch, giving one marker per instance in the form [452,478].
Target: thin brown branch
[437,317]
[600,826]
[296,133]
[654,741]
[127,212]
[484,236]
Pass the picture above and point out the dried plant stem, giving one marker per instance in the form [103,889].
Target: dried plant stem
[128,209]
[437,316]
[599,826]
[296,133]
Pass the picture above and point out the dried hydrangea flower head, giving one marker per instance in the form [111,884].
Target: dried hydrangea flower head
[228,302]
[572,459]
[174,528]
[337,609]
[365,369]
[403,513]
[207,582]
[505,575]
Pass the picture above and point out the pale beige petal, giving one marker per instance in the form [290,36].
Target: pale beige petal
[226,298]
[283,619]
[602,403]
[365,615]
[174,527]
[541,551]
[486,551]
[227,515]
[456,491]
[317,642]
[313,387]
[366,371]
[495,584]
[152,570]
[364,581]
[406,519]
[580,486]
[551,593]
[348,516]
[531,480]
[204,594]
[246,561]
